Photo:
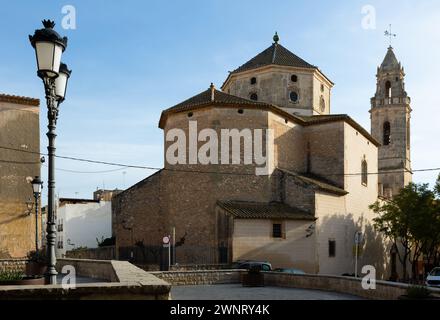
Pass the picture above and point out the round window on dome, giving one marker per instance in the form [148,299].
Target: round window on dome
[294,96]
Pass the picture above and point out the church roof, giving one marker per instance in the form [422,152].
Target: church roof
[275,54]
[317,182]
[390,61]
[263,210]
[213,96]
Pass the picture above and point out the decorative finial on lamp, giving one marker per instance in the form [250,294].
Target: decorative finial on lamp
[48,24]
[276,38]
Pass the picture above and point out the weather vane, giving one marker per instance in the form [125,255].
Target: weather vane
[390,34]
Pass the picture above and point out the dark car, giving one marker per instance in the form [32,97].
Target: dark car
[249,264]
[289,270]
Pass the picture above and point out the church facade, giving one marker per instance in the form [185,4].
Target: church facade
[322,173]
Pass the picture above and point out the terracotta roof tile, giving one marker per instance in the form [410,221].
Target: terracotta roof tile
[19,100]
[275,54]
[263,210]
[318,182]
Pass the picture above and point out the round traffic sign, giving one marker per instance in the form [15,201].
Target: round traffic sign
[166,239]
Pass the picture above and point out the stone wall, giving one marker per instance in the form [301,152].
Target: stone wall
[13,264]
[101,253]
[274,85]
[19,130]
[384,290]
[326,148]
[187,200]
[125,282]
[96,269]
[199,277]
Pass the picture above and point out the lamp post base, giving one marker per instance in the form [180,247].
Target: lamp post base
[51,278]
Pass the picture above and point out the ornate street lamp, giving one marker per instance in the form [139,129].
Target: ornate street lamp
[49,46]
[37,185]
[61,82]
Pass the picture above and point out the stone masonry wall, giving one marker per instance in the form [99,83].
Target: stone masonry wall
[19,129]
[13,264]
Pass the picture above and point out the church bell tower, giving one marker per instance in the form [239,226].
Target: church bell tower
[390,125]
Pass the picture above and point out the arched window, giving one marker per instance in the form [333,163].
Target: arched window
[364,170]
[294,78]
[386,133]
[322,104]
[254,96]
[388,89]
[253,80]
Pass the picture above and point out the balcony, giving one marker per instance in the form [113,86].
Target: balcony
[388,101]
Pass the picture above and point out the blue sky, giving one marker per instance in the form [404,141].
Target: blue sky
[133,59]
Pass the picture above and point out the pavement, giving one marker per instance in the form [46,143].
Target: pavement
[238,292]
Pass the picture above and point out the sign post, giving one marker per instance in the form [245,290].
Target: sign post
[174,245]
[357,241]
[166,244]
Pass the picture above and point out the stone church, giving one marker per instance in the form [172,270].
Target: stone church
[322,176]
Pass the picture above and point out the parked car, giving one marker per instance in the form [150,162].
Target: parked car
[290,270]
[249,264]
[433,278]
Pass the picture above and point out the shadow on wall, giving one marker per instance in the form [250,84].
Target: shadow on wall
[342,228]
[376,252]
[294,250]
[312,253]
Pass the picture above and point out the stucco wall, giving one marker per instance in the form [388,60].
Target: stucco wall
[252,240]
[360,197]
[333,223]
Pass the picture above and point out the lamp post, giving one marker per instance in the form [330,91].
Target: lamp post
[49,46]
[37,185]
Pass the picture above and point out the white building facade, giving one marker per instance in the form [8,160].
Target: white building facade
[82,223]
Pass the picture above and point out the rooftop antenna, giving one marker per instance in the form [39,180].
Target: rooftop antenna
[123,178]
[390,34]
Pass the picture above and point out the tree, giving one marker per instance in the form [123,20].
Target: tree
[407,220]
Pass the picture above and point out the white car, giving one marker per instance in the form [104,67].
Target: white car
[433,278]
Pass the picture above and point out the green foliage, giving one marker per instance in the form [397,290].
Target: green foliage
[106,242]
[11,275]
[412,220]
[79,249]
[417,292]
